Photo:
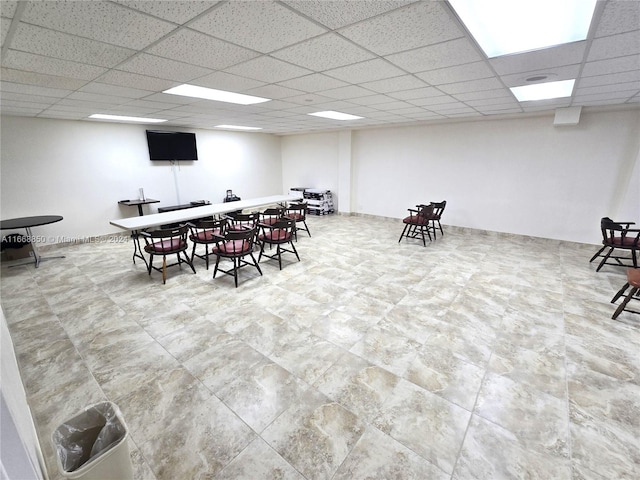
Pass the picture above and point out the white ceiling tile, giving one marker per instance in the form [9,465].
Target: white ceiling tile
[62,115]
[273,91]
[143,82]
[43,80]
[177,11]
[5,23]
[174,99]
[446,54]
[614,65]
[323,53]
[604,102]
[114,90]
[459,73]
[6,86]
[42,41]
[615,46]
[23,111]
[352,91]
[393,105]
[488,94]
[150,105]
[471,86]
[153,66]
[313,83]
[50,66]
[268,69]
[98,98]
[199,49]
[618,17]
[8,8]
[428,102]
[338,13]
[417,25]
[617,87]
[263,26]
[226,81]
[31,100]
[614,78]
[372,100]
[417,93]
[369,70]
[540,60]
[395,84]
[103,21]
[498,109]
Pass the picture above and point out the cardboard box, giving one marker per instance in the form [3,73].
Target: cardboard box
[18,253]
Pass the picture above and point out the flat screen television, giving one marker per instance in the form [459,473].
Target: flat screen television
[165,145]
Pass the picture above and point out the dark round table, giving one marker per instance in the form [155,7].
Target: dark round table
[27,223]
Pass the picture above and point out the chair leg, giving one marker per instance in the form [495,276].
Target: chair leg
[597,253]
[215,270]
[193,251]
[440,225]
[620,293]
[189,262]
[164,269]
[294,250]
[150,264]
[604,260]
[236,266]
[306,227]
[403,232]
[279,253]
[620,309]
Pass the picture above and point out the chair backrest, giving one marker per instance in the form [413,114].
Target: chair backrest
[438,208]
[244,220]
[239,241]
[296,211]
[271,215]
[169,238]
[199,228]
[425,211]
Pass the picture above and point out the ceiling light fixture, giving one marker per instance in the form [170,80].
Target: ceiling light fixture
[237,127]
[543,91]
[187,90]
[503,27]
[335,115]
[121,118]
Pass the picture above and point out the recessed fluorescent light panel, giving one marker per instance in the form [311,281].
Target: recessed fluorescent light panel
[120,118]
[543,91]
[213,94]
[237,127]
[335,115]
[503,27]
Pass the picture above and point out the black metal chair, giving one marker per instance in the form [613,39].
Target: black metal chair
[236,245]
[205,232]
[171,241]
[618,236]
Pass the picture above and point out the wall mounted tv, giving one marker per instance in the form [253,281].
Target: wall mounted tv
[164,145]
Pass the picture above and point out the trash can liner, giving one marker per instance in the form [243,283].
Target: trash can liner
[88,435]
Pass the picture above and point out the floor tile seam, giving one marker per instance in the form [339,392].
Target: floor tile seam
[473,409]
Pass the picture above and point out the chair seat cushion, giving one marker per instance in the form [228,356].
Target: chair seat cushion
[205,235]
[277,235]
[166,246]
[624,242]
[416,220]
[233,247]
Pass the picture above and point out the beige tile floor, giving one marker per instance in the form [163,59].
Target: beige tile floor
[480,356]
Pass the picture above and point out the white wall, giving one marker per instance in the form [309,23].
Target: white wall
[80,169]
[312,161]
[522,176]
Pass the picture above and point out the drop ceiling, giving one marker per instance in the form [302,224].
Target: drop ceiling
[392,62]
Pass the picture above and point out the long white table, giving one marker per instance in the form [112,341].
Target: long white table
[135,224]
